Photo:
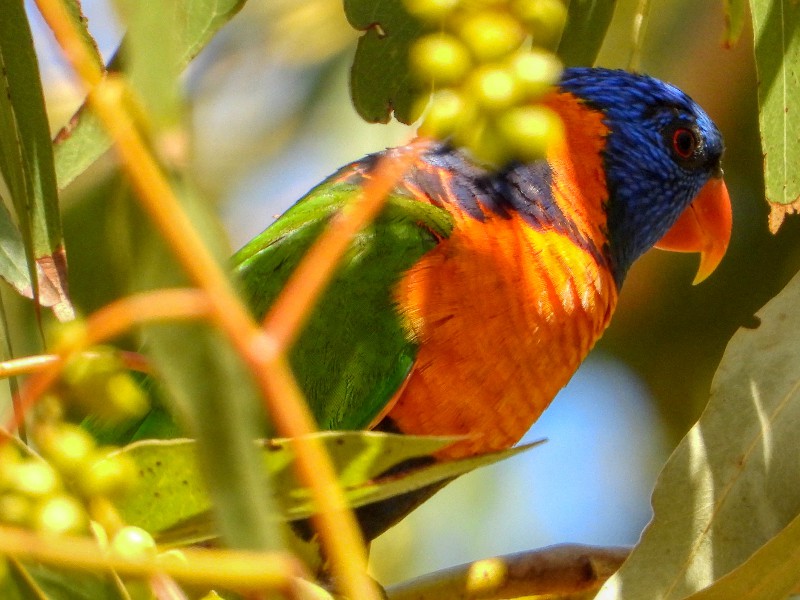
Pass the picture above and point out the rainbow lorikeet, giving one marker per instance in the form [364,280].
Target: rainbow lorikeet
[476,294]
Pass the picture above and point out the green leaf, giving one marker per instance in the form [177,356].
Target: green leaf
[195,23]
[211,392]
[170,491]
[587,24]
[775,24]
[380,81]
[34,581]
[734,21]
[731,485]
[26,164]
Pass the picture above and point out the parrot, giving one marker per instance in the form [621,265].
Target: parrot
[477,292]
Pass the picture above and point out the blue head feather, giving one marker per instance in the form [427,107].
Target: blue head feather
[649,184]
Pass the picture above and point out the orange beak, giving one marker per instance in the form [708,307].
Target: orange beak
[704,227]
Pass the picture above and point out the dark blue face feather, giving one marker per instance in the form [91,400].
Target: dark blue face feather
[649,182]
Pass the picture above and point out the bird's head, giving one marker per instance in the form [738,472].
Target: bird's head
[662,164]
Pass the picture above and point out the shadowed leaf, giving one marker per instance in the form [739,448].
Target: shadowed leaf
[731,485]
[587,23]
[380,82]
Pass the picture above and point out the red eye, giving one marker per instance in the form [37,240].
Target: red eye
[684,142]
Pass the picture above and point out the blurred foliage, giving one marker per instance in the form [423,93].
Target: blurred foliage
[266,96]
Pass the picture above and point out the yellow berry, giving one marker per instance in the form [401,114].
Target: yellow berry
[15,508]
[530,130]
[446,109]
[66,446]
[34,478]
[484,143]
[491,34]
[439,58]
[535,72]
[494,88]
[430,11]
[59,515]
[134,543]
[545,19]
[127,400]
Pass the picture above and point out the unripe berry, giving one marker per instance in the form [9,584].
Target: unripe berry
[15,508]
[530,130]
[494,88]
[127,400]
[545,19]
[535,72]
[134,543]
[34,478]
[439,58]
[446,109]
[66,446]
[60,514]
[491,34]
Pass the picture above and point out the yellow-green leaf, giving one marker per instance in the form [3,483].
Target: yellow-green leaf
[26,165]
[731,485]
[775,24]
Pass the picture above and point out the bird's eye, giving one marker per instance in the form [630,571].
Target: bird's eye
[684,142]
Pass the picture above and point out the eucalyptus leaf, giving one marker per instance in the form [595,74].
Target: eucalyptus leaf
[380,82]
[209,389]
[169,495]
[587,24]
[26,165]
[194,23]
[731,485]
[775,24]
[770,574]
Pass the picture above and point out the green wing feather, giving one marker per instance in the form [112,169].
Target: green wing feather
[353,353]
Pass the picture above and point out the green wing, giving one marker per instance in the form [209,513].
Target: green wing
[353,353]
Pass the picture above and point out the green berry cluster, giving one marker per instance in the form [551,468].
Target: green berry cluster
[97,383]
[50,493]
[484,81]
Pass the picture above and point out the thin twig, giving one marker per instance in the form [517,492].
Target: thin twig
[568,572]
[225,568]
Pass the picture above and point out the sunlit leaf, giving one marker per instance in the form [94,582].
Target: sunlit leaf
[775,24]
[170,490]
[84,141]
[770,574]
[26,165]
[587,23]
[380,81]
[734,20]
[731,485]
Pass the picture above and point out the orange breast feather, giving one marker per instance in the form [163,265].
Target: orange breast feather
[505,311]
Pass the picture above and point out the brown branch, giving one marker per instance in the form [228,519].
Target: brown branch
[564,572]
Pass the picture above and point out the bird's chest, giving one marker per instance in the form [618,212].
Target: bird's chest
[504,314]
